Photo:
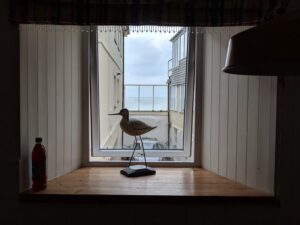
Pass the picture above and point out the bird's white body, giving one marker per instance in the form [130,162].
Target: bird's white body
[134,127]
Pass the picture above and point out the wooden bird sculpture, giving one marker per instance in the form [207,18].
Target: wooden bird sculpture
[134,127]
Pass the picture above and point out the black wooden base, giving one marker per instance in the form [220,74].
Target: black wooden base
[137,171]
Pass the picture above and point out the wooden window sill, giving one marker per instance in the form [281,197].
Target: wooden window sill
[191,184]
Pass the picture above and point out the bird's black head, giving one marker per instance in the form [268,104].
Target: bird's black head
[123,112]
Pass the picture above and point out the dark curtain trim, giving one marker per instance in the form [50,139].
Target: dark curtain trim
[138,12]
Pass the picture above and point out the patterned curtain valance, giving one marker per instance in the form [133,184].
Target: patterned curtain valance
[147,12]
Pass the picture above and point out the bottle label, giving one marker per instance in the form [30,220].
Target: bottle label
[38,170]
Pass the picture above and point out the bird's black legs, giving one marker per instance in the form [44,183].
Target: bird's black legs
[133,151]
[143,151]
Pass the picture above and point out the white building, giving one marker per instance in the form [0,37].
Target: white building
[111,73]
[112,96]
[177,83]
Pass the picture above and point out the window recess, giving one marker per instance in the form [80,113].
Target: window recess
[239,112]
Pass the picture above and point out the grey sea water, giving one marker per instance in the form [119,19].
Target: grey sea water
[146,103]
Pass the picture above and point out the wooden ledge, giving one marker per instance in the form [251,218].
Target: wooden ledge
[187,184]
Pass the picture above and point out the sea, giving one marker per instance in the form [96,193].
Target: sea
[146,103]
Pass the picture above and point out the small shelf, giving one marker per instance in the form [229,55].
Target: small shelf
[106,183]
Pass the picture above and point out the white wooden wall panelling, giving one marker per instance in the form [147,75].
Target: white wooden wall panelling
[232,126]
[67,42]
[239,118]
[242,113]
[24,157]
[51,77]
[232,120]
[42,85]
[60,101]
[215,104]
[273,109]
[252,128]
[264,132]
[76,99]
[50,97]
[207,101]
[32,88]
[223,134]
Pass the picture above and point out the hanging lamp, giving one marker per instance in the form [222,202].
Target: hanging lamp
[269,49]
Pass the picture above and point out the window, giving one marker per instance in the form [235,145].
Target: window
[173,98]
[180,43]
[147,102]
[182,98]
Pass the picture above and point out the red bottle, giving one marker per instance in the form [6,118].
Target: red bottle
[39,177]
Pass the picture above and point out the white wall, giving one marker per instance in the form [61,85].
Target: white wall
[239,118]
[50,71]
[110,56]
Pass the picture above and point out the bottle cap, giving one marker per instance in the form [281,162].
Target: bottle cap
[38,139]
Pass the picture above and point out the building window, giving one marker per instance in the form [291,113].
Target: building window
[185,43]
[173,98]
[179,46]
[182,98]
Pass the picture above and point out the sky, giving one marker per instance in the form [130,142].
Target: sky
[146,57]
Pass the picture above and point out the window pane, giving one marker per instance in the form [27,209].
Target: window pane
[178,51]
[131,97]
[160,98]
[146,98]
[182,98]
[145,87]
[173,98]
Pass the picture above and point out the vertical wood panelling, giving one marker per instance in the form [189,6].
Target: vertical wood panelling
[60,100]
[252,135]
[273,108]
[24,162]
[232,126]
[239,118]
[68,99]
[42,85]
[32,86]
[51,96]
[76,100]
[51,71]
[215,94]
[242,113]
[263,131]
[207,101]
[223,109]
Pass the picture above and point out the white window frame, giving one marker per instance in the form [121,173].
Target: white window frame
[93,111]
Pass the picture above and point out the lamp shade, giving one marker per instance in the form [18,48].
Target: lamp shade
[269,49]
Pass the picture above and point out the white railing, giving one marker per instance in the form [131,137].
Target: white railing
[142,97]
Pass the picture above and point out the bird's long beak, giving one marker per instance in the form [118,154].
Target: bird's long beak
[111,114]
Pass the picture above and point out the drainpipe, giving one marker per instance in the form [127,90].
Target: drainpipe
[169,122]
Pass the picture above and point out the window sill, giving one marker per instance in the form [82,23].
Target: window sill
[187,184]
